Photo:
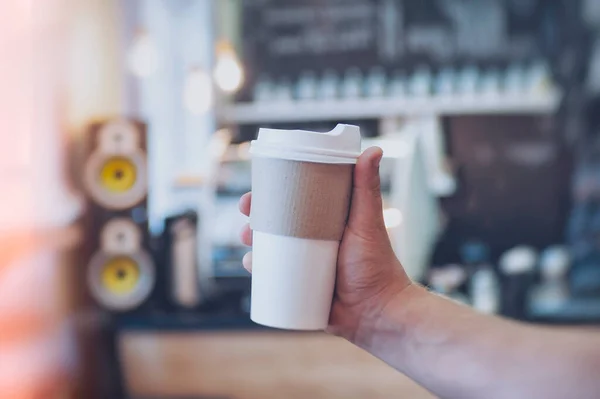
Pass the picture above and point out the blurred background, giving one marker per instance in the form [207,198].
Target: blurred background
[125,128]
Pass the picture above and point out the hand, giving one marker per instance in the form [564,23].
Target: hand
[368,273]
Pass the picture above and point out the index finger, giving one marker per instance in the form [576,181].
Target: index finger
[244,204]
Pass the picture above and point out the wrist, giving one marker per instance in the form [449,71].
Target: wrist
[356,312]
[393,319]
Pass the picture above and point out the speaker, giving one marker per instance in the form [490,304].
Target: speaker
[121,272]
[115,174]
[180,240]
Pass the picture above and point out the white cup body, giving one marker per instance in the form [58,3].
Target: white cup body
[293,278]
[293,281]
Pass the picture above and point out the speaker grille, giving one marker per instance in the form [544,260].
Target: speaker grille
[121,282]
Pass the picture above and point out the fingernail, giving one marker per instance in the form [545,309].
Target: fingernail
[376,161]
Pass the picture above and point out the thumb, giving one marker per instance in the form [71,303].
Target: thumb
[366,209]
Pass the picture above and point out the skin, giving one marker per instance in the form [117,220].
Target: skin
[446,347]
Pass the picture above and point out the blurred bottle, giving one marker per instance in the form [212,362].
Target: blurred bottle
[552,291]
[397,85]
[485,290]
[307,86]
[515,79]
[328,90]
[474,253]
[484,287]
[491,83]
[539,78]
[420,83]
[283,90]
[469,79]
[446,281]
[263,90]
[585,277]
[351,87]
[445,82]
[517,266]
[375,83]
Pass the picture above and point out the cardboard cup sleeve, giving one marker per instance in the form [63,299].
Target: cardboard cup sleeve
[300,199]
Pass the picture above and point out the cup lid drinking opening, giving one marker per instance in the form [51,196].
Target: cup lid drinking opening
[340,145]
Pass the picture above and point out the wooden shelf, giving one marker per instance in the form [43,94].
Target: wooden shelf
[377,108]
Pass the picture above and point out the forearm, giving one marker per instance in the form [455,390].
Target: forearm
[458,353]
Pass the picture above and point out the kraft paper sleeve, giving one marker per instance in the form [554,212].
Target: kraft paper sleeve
[300,199]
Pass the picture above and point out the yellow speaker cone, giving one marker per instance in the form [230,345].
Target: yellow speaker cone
[120,275]
[118,175]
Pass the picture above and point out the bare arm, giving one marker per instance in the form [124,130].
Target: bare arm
[446,347]
[456,352]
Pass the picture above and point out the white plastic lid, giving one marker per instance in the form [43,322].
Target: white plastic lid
[341,145]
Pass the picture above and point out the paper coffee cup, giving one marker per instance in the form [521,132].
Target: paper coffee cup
[301,189]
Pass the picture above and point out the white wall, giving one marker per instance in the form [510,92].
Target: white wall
[33,48]
[181,30]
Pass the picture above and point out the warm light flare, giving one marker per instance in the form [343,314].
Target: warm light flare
[197,93]
[228,73]
[143,56]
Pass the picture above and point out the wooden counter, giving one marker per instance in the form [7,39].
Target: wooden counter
[256,365]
